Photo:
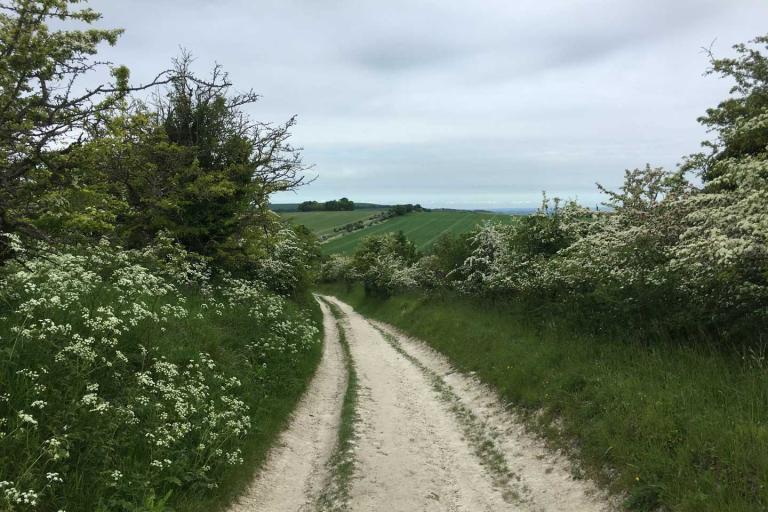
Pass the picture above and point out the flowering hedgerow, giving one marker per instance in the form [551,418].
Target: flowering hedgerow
[722,256]
[338,267]
[286,264]
[113,388]
[667,254]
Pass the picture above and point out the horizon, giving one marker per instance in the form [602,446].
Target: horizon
[467,206]
[530,205]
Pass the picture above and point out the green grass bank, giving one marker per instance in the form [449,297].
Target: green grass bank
[324,223]
[422,228]
[134,381]
[666,426]
[272,392]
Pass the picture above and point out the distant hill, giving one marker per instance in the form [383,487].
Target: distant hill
[423,228]
[328,224]
[293,207]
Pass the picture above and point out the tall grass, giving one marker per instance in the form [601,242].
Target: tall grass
[669,426]
[134,381]
[271,393]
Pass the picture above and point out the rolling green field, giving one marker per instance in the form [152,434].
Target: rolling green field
[422,228]
[323,223]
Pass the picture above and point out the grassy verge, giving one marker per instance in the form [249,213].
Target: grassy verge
[671,426]
[271,399]
[127,386]
[336,494]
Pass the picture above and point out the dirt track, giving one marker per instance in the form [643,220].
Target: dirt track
[427,438]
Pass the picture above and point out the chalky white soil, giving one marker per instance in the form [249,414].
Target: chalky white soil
[419,429]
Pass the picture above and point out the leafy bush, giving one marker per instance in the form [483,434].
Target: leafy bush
[448,253]
[388,273]
[667,258]
[337,268]
[287,264]
[384,262]
[722,256]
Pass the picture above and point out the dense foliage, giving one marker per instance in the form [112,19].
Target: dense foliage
[402,209]
[669,257]
[190,163]
[147,340]
[39,71]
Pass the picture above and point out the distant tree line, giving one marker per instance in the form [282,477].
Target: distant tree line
[403,209]
[334,205]
[344,204]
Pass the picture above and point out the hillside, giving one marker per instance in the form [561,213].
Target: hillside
[323,223]
[422,228]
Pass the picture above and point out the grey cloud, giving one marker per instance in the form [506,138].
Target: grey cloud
[452,102]
[403,54]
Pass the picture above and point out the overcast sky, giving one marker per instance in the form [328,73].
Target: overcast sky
[458,103]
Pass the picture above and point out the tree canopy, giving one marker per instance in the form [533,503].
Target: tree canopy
[103,161]
[738,122]
[333,205]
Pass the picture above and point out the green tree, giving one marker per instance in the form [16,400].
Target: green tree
[739,121]
[231,163]
[44,107]
[334,205]
[310,206]
[214,187]
[195,165]
[346,204]
[128,154]
[450,251]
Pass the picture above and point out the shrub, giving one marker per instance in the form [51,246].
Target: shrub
[667,258]
[447,254]
[618,263]
[388,273]
[384,262]
[337,267]
[287,262]
[722,257]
